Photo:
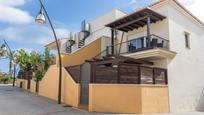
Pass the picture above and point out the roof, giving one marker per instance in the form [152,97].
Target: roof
[181,6]
[136,20]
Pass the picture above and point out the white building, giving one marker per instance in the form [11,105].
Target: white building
[179,46]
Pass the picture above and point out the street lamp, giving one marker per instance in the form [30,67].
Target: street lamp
[11,58]
[14,71]
[41,19]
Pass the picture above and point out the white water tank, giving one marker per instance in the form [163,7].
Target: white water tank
[81,36]
[85,26]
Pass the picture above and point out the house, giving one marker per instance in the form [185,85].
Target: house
[149,61]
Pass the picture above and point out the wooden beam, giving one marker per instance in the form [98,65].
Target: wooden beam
[141,22]
[131,22]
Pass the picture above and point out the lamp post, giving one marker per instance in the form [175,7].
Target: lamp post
[11,60]
[14,71]
[41,18]
[11,55]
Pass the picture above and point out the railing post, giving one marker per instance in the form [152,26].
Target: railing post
[112,41]
[139,75]
[118,75]
[166,77]
[107,50]
[93,72]
[154,77]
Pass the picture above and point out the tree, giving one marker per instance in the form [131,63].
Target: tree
[5,78]
[48,59]
[2,50]
[35,62]
[23,59]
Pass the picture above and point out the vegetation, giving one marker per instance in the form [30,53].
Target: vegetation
[2,50]
[5,78]
[29,63]
[36,62]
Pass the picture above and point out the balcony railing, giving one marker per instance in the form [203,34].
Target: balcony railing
[136,45]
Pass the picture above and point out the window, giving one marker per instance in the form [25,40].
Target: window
[187,40]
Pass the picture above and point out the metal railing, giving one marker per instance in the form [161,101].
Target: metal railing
[136,45]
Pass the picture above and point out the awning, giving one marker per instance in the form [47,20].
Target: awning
[136,20]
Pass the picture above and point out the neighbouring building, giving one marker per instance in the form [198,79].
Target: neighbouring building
[149,61]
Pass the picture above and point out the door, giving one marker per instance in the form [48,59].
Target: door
[84,83]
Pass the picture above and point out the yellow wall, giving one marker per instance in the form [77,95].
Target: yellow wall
[48,87]
[81,55]
[32,86]
[155,99]
[24,85]
[119,98]
[70,90]
[17,83]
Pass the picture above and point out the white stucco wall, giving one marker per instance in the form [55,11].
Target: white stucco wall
[98,28]
[185,71]
[160,28]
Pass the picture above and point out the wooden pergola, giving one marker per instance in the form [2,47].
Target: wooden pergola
[138,19]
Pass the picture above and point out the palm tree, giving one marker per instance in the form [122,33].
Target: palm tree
[2,50]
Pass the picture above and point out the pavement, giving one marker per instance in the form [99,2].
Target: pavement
[14,101]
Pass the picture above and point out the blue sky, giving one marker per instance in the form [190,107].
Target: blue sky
[21,32]
[18,28]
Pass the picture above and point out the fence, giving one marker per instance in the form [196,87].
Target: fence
[128,74]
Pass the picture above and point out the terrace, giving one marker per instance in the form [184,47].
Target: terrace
[145,47]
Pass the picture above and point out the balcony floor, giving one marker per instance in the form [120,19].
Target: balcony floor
[152,54]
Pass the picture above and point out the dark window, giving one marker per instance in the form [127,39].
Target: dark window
[187,40]
[136,44]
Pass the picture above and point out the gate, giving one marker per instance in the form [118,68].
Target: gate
[84,83]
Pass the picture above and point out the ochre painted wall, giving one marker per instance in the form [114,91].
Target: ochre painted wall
[24,83]
[81,55]
[32,86]
[17,83]
[70,90]
[155,99]
[48,87]
[123,98]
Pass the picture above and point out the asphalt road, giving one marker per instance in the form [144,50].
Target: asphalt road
[14,101]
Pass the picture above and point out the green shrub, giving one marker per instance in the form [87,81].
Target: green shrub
[6,79]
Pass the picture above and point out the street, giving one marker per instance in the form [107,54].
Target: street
[14,101]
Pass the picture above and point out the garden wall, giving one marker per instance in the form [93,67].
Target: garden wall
[48,87]
[128,98]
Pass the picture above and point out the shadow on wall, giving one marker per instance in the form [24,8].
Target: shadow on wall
[200,106]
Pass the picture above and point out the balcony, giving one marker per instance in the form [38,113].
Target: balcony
[152,47]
